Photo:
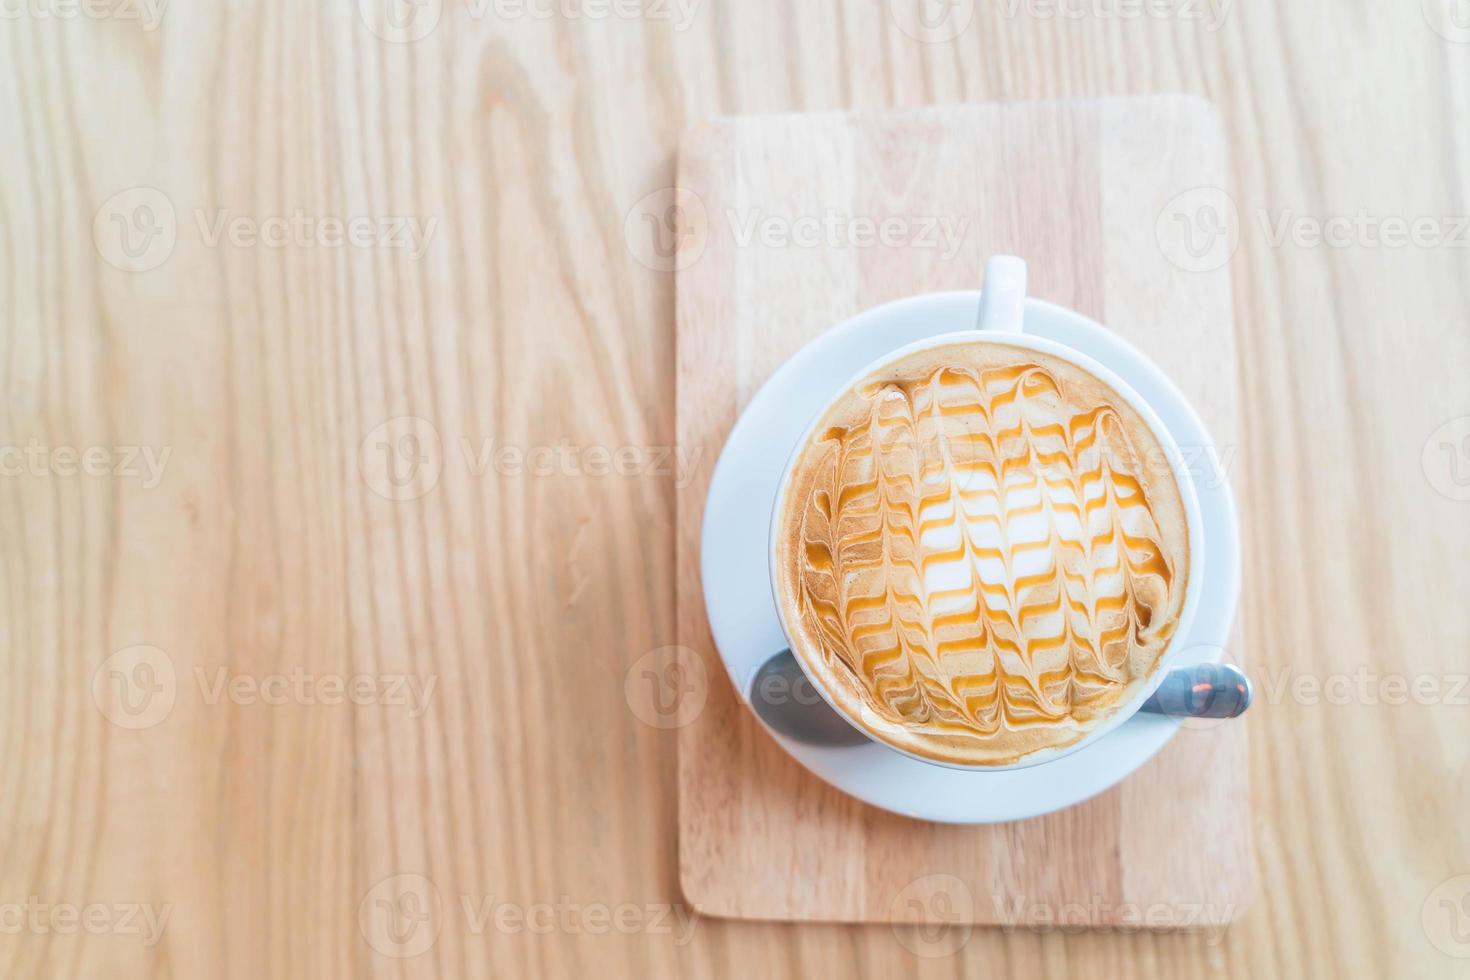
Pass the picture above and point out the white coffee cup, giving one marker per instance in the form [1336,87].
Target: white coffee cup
[1001,316]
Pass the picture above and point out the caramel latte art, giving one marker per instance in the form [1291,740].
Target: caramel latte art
[982,553]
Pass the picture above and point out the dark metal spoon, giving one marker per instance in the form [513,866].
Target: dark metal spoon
[786,700]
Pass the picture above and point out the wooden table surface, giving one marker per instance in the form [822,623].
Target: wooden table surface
[337,480]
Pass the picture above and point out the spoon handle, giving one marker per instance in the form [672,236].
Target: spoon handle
[785,699]
[1202,691]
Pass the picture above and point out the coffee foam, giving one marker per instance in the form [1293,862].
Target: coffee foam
[982,553]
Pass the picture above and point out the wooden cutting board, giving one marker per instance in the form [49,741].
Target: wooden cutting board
[782,237]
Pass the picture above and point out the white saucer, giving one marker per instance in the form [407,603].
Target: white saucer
[735,567]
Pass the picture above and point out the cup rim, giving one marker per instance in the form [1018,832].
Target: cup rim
[1184,480]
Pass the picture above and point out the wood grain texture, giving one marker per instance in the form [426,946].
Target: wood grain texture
[529,320]
[1075,187]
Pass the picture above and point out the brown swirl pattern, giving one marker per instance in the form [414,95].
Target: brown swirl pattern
[984,560]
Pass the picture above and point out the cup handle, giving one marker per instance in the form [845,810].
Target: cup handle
[1004,297]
